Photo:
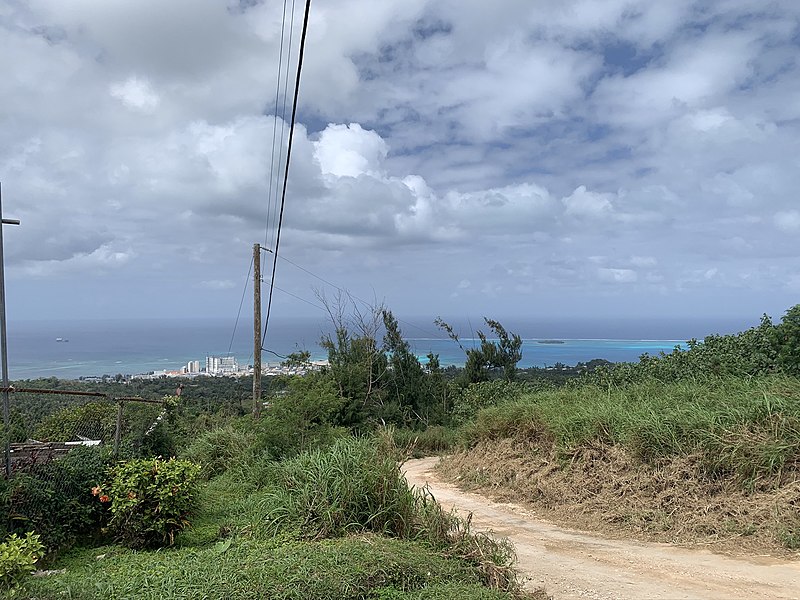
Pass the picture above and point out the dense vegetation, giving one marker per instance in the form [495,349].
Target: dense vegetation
[312,483]
[299,529]
[669,437]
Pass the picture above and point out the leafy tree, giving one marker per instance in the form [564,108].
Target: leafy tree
[302,415]
[357,366]
[355,361]
[94,420]
[786,340]
[504,353]
[417,393]
[301,358]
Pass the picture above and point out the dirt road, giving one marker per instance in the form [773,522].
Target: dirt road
[572,564]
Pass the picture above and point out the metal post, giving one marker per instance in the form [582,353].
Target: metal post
[3,340]
[118,430]
[256,331]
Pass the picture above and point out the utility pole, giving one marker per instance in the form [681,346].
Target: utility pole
[256,331]
[3,340]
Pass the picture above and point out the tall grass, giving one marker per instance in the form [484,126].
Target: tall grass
[356,486]
[347,487]
[435,439]
[220,449]
[746,427]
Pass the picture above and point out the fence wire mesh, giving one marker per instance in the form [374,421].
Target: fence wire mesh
[59,445]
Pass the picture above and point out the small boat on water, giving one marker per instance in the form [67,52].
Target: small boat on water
[62,340]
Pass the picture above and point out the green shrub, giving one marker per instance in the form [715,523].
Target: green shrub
[151,500]
[300,417]
[762,350]
[220,449]
[18,558]
[95,420]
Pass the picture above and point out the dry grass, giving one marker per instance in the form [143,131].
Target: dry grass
[604,487]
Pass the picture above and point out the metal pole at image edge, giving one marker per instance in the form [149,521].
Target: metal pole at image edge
[3,340]
[257,331]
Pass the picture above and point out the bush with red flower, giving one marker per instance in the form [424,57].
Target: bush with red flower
[151,500]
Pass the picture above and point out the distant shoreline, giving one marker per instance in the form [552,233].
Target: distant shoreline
[109,348]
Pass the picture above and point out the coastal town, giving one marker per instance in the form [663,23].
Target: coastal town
[228,366]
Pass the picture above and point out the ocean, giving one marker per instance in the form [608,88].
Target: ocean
[95,348]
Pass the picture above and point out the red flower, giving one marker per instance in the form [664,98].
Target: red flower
[104,498]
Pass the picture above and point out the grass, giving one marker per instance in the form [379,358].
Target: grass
[435,439]
[281,567]
[688,460]
[335,523]
[748,428]
[221,449]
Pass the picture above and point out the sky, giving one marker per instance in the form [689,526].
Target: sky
[610,158]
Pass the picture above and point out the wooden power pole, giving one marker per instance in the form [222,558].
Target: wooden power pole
[256,331]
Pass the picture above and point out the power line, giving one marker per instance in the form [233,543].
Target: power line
[241,303]
[288,158]
[275,128]
[288,293]
[285,94]
[270,206]
[364,302]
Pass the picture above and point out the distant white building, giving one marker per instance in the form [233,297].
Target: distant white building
[221,365]
[193,366]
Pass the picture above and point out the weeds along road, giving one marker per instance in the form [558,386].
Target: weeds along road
[573,564]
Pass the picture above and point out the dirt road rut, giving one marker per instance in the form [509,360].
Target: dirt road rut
[573,564]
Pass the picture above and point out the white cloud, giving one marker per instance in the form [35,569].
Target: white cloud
[104,259]
[136,94]
[696,75]
[350,151]
[584,203]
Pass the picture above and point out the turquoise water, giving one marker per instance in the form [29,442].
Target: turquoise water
[570,352]
[130,347]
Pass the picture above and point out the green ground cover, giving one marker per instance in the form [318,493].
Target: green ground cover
[333,523]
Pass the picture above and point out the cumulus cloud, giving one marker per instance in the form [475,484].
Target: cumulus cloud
[350,151]
[584,203]
[546,149]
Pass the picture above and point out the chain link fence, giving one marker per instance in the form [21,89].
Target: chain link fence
[59,444]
